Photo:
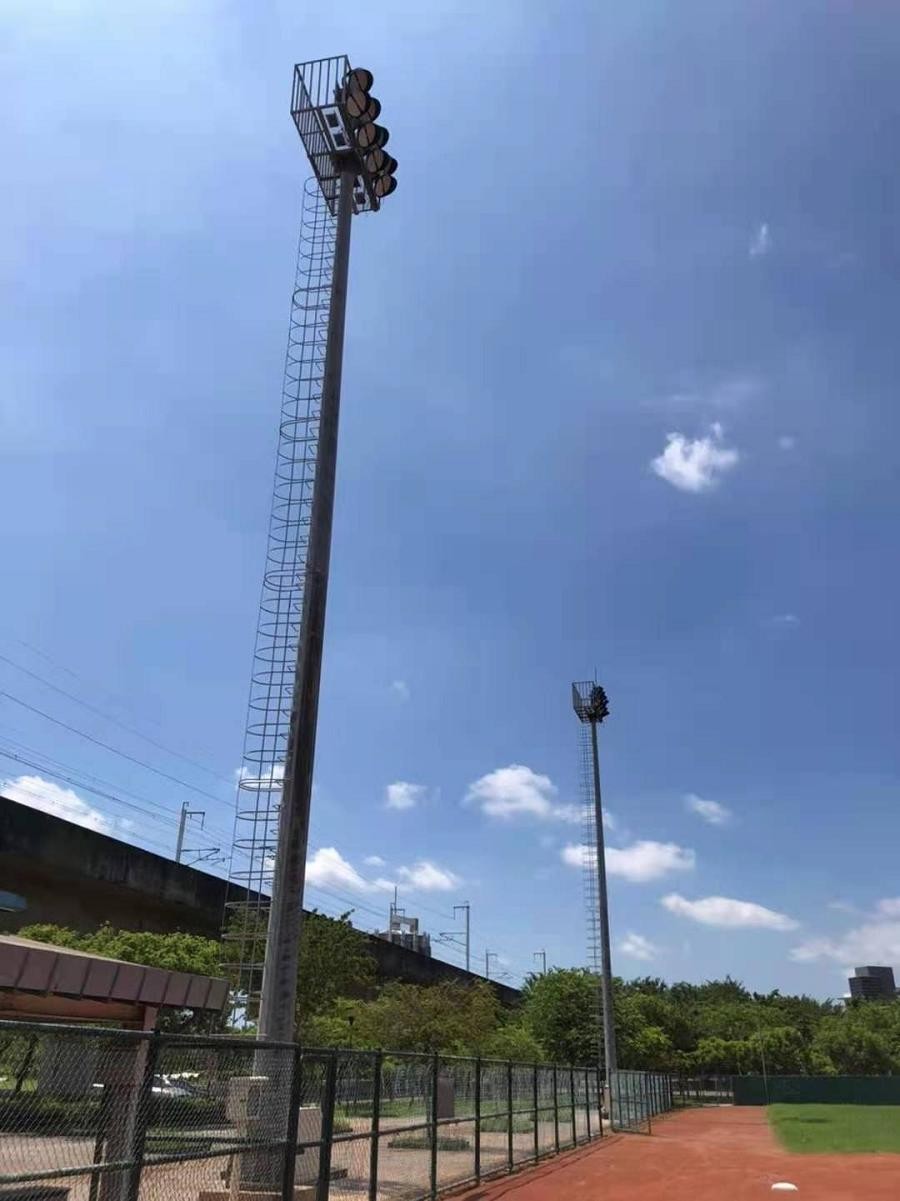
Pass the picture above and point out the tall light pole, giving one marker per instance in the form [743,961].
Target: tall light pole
[468,909]
[591,706]
[336,117]
[542,955]
[488,956]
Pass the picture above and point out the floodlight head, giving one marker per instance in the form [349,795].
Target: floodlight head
[335,114]
[589,701]
[369,135]
[384,185]
[359,77]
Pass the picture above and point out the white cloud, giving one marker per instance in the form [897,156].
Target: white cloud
[38,793]
[710,811]
[642,861]
[267,781]
[426,876]
[638,947]
[373,861]
[761,243]
[787,442]
[329,869]
[403,795]
[400,689]
[842,907]
[695,465]
[517,790]
[875,940]
[728,913]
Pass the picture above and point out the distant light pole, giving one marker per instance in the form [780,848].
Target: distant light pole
[488,956]
[591,706]
[542,955]
[468,910]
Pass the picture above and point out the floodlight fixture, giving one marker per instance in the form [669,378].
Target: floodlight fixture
[336,116]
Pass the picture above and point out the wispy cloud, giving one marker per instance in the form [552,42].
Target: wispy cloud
[698,464]
[38,793]
[517,791]
[784,621]
[875,940]
[400,689]
[761,242]
[638,863]
[403,795]
[723,394]
[710,811]
[373,861]
[638,947]
[787,442]
[728,913]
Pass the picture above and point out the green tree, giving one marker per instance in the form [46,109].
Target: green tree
[175,952]
[335,961]
[849,1049]
[449,1017]
[560,1009]
[514,1041]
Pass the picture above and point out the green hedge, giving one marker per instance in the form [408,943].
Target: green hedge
[817,1090]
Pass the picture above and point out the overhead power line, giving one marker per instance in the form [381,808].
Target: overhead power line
[107,747]
[115,721]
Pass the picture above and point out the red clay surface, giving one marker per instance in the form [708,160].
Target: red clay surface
[700,1155]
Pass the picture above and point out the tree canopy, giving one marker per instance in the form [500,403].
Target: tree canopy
[718,1026]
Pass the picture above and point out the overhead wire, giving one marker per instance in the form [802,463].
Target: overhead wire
[106,746]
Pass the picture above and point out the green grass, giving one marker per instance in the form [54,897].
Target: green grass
[816,1129]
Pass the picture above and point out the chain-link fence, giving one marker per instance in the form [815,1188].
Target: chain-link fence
[708,1089]
[636,1098]
[113,1115]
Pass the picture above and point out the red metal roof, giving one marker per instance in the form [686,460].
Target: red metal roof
[40,968]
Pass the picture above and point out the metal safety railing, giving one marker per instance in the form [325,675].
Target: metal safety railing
[92,1114]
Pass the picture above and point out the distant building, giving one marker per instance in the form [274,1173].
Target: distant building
[873,984]
[404,932]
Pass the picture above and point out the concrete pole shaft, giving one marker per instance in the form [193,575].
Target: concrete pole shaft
[279,984]
[606,985]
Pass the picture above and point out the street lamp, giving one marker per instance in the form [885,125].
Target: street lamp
[335,114]
[591,706]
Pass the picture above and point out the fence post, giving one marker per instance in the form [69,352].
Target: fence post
[555,1111]
[477,1121]
[435,1071]
[376,1126]
[537,1137]
[600,1100]
[645,1091]
[142,1118]
[509,1115]
[293,1124]
[328,1100]
[572,1099]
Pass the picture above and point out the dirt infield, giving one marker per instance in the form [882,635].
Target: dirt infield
[699,1155]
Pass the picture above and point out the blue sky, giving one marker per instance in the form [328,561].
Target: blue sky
[619,396]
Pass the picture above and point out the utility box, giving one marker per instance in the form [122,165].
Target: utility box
[244,1104]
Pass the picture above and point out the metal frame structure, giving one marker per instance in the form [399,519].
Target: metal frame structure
[591,706]
[335,116]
